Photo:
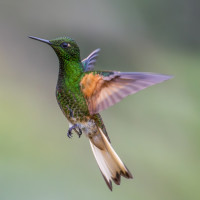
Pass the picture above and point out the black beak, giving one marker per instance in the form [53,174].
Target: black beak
[40,39]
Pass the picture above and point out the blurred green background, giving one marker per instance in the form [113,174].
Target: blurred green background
[155,132]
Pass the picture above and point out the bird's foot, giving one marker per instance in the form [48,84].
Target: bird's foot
[74,127]
[79,133]
[69,133]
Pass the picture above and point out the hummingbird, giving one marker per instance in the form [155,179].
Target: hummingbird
[83,92]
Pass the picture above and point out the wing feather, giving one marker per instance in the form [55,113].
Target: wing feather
[89,62]
[105,91]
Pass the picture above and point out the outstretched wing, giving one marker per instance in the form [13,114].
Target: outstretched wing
[104,89]
[89,62]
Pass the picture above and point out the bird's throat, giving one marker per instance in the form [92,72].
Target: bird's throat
[69,71]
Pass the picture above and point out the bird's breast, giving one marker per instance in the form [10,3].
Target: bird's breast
[71,104]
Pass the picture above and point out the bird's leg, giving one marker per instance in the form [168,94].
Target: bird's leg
[70,111]
[79,132]
[69,133]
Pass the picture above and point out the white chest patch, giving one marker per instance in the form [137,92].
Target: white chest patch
[89,128]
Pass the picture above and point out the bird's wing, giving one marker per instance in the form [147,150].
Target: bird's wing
[89,62]
[104,89]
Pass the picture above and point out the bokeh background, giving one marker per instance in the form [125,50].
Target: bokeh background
[156,132]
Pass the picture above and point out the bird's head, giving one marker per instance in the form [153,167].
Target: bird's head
[65,48]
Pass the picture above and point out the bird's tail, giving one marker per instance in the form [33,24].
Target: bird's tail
[108,161]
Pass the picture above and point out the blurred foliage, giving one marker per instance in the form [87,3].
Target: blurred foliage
[155,132]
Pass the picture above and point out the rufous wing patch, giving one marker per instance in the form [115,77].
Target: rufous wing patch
[90,84]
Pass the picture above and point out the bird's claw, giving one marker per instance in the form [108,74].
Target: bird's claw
[79,131]
[69,133]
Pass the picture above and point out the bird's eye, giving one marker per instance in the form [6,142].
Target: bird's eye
[65,45]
